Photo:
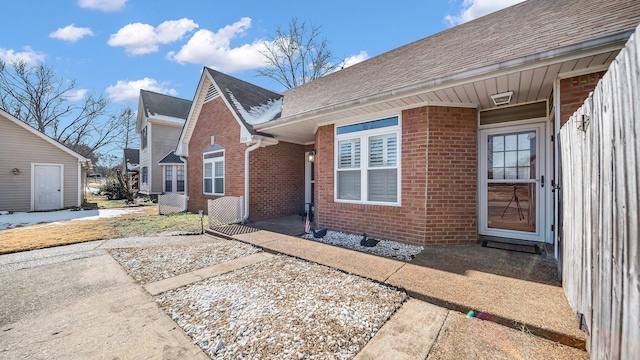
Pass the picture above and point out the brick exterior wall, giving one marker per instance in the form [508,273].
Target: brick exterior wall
[276,176]
[276,181]
[574,91]
[438,191]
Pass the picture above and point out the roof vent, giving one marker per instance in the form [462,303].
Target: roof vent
[212,93]
[502,98]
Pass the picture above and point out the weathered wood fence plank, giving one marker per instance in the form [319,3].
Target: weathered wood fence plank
[600,159]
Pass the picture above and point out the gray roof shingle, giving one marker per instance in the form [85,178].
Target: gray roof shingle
[522,30]
[160,104]
[171,158]
[250,97]
[132,156]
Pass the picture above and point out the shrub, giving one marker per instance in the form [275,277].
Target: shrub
[112,189]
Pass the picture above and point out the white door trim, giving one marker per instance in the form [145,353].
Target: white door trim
[307,180]
[542,210]
[33,184]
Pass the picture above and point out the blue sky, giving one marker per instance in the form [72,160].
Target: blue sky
[116,47]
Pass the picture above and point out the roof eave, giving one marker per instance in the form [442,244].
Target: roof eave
[614,41]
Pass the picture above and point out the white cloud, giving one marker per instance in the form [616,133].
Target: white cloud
[71,33]
[473,9]
[104,5]
[214,49]
[128,91]
[29,56]
[140,39]
[354,59]
[76,95]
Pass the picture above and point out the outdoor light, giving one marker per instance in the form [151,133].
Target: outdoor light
[502,98]
[312,156]
[15,171]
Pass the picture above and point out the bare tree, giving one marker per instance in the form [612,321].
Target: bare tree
[297,54]
[36,96]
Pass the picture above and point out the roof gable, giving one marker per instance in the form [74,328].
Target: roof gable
[522,31]
[165,108]
[42,136]
[251,104]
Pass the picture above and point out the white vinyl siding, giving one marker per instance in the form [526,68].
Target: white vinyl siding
[213,173]
[367,162]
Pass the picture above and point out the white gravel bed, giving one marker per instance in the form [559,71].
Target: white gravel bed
[154,263]
[282,308]
[385,248]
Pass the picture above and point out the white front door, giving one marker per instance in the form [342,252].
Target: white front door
[512,181]
[47,187]
[309,182]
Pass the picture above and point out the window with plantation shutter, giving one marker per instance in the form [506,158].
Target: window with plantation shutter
[375,179]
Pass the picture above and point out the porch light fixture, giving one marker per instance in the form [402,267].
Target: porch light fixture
[502,98]
[15,171]
[312,156]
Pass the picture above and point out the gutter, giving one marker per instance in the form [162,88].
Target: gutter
[532,59]
[186,179]
[245,216]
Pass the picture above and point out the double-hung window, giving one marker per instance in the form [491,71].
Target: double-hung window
[213,173]
[368,162]
[173,178]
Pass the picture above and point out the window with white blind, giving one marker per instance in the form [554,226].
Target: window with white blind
[213,173]
[372,178]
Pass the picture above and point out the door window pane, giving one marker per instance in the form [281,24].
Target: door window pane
[512,207]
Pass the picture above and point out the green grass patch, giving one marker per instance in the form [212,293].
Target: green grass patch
[181,223]
[101,202]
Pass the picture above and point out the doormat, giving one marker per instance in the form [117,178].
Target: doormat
[235,229]
[525,248]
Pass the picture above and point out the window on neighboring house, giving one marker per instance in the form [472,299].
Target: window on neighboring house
[180,178]
[168,178]
[145,175]
[143,134]
[213,173]
[173,178]
[367,162]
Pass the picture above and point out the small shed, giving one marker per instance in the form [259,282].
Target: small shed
[37,173]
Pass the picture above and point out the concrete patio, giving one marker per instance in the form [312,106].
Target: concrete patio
[510,288]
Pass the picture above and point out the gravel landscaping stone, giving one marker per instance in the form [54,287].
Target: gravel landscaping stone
[154,263]
[282,308]
[386,248]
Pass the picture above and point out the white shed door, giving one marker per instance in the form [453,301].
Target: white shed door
[47,187]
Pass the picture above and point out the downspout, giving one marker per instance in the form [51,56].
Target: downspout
[186,188]
[246,178]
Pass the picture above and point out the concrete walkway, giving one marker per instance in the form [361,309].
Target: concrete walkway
[85,309]
[538,308]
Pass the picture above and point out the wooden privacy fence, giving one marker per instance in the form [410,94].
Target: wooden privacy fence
[600,154]
[171,203]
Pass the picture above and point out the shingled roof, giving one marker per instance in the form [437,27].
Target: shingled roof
[165,105]
[251,103]
[523,31]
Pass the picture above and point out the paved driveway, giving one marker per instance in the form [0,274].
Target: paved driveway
[84,309]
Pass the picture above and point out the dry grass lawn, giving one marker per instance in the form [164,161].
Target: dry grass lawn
[145,222]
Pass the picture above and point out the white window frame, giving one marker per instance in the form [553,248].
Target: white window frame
[364,136]
[174,178]
[213,162]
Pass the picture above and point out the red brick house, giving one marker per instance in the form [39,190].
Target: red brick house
[447,140]
[219,136]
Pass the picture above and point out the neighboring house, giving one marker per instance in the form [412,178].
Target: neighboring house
[160,120]
[131,167]
[219,137]
[447,140]
[36,172]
